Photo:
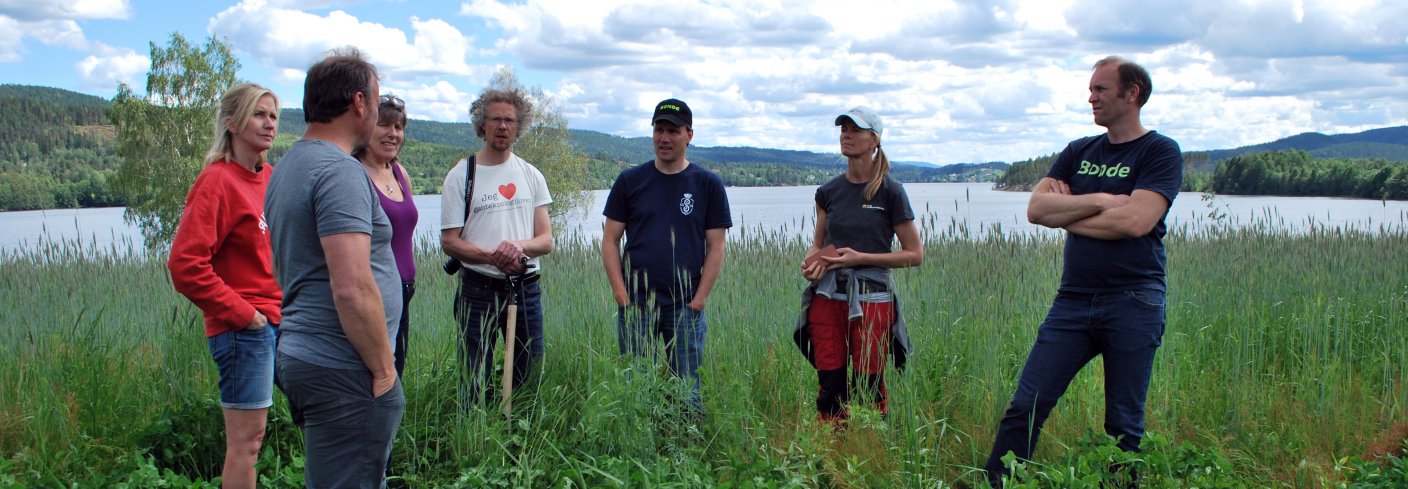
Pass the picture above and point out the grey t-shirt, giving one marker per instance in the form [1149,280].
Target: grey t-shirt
[317,190]
[865,225]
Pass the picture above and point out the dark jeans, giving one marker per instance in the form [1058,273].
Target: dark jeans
[681,332]
[1125,327]
[347,433]
[482,311]
[403,335]
[403,339]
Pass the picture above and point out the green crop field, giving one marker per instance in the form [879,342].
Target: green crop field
[1284,359]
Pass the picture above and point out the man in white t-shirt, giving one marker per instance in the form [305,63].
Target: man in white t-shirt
[505,233]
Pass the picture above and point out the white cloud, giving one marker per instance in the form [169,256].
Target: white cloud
[441,48]
[784,90]
[955,80]
[1360,31]
[65,33]
[439,101]
[287,39]
[11,40]
[30,10]
[701,24]
[558,35]
[307,4]
[111,66]
[53,23]
[425,68]
[1139,23]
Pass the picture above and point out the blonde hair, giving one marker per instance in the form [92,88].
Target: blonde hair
[238,106]
[882,169]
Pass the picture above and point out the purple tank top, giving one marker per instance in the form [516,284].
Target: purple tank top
[403,216]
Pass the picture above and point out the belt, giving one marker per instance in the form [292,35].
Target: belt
[471,276]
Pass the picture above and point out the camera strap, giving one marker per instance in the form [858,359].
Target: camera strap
[469,186]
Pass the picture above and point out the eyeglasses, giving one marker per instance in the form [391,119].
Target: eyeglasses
[393,101]
[507,121]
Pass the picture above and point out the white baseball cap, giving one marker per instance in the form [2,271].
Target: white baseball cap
[864,118]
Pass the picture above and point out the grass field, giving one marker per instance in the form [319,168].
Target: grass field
[1285,356]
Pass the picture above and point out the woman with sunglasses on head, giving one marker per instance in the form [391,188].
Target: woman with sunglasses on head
[221,261]
[393,186]
[849,312]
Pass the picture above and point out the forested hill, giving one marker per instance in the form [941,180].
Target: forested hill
[1389,143]
[56,149]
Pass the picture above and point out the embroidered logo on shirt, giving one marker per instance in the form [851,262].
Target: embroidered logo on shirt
[872,207]
[263,225]
[508,190]
[687,204]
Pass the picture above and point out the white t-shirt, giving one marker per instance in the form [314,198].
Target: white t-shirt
[506,196]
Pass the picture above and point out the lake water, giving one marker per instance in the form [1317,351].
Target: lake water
[975,206]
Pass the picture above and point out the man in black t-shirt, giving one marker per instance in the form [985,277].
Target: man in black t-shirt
[674,216]
[1111,194]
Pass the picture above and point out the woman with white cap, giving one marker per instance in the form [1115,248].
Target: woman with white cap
[850,313]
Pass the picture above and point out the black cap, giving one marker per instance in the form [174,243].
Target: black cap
[675,111]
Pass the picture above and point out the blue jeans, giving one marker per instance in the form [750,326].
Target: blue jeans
[1125,327]
[681,332]
[347,433]
[403,334]
[245,359]
[482,311]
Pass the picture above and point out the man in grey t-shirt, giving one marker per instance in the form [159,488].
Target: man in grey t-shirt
[342,296]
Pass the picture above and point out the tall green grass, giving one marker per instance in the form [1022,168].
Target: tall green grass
[1285,353]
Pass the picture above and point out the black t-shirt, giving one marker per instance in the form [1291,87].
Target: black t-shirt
[666,217]
[1152,162]
[867,226]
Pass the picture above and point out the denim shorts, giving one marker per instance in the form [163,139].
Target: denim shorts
[245,359]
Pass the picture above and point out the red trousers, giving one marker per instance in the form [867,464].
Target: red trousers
[865,342]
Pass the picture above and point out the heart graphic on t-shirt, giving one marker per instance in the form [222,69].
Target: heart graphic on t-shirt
[508,190]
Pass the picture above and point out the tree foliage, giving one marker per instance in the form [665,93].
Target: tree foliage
[55,149]
[1297,173]
[162,136]
[1023,175]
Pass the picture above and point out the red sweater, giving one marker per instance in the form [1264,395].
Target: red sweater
[220,258]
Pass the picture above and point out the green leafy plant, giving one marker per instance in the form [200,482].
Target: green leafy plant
[1096,461]
[1387,472]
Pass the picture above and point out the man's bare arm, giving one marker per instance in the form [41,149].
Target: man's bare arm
[358,303]
[611,260]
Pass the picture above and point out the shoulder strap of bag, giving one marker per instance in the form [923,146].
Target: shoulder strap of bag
[469,186]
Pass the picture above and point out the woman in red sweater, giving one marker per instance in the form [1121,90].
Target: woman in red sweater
[221,261]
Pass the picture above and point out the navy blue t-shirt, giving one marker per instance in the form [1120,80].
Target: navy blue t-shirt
[666,217]
[1152,162]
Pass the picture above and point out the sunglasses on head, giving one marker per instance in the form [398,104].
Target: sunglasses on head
[393,101]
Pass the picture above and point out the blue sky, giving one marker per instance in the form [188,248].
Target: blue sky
[955,81]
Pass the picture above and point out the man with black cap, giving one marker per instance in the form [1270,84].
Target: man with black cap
[674,216]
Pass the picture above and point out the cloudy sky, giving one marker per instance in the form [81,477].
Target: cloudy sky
[956,81]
